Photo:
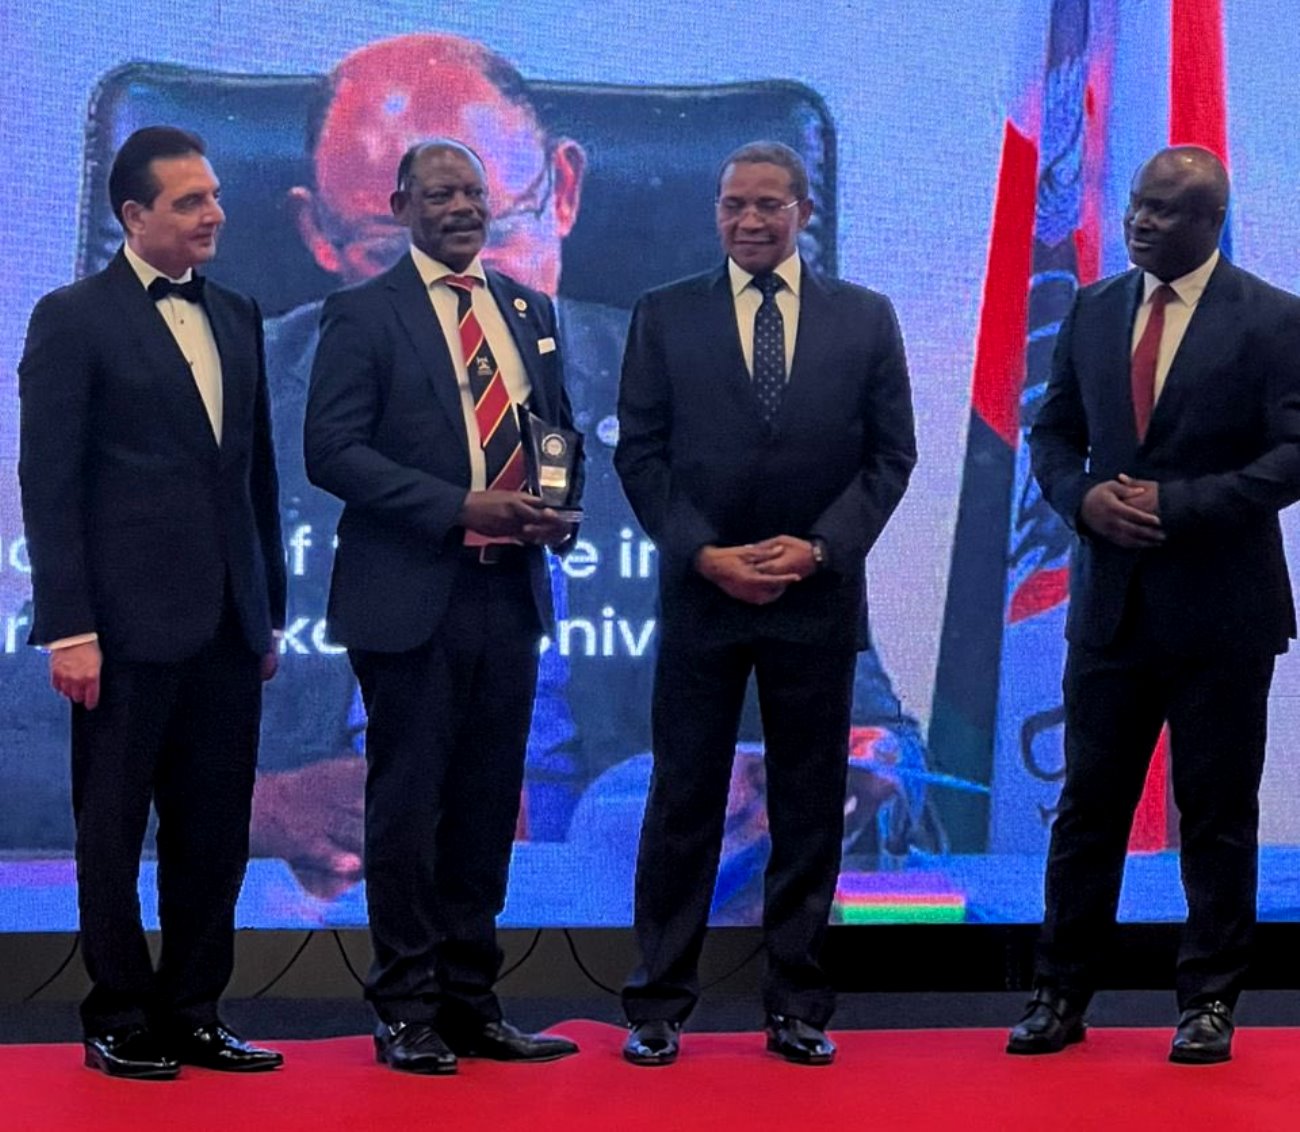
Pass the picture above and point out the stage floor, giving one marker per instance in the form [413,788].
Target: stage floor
[909,1080]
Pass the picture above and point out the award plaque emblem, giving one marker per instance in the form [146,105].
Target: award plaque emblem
[552,458]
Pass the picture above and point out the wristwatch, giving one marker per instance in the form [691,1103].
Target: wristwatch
[818,553]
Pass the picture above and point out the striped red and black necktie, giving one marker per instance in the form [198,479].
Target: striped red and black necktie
[498,428]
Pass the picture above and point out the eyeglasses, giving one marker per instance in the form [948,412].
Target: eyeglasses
[767,207]
[442,195]
[532,202]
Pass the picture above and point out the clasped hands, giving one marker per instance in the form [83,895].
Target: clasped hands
[1125,511]
[516,515]
[757,573]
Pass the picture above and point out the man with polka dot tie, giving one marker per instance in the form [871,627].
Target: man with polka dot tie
[765,437]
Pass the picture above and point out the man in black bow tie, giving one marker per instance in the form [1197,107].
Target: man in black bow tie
[191,290]
[150,505]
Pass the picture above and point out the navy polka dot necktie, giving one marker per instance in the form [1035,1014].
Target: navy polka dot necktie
[769,347]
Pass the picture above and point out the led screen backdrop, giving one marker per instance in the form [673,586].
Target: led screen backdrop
[969,160]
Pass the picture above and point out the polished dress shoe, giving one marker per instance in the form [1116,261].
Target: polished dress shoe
[413,1047]
[798,1041]
[500,1041]
[653,1043]
[133,1052]
[1052,1021]
[1204,1035]
[215,1047]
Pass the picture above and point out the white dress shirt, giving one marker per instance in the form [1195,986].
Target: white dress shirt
[499,340]
[189,325]
[749,298]
[1178,313]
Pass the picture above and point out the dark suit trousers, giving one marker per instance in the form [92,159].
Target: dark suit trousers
[804,694]
[184,735]
[1116,702]
[448,726]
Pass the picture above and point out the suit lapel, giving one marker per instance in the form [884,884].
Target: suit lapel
[812,330]
[719,310]
[237,373]
[1117,346]
[410,298]
[524,327]
[1204,342]
[158,351]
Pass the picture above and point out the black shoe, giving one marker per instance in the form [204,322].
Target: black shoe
[653,1043]
[500,1041]
[413,1047]
[1051,1022]
[1204,1035]
[215,1047]
[132,1052]
[798,1041]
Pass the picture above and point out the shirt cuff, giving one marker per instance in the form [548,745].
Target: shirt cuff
[68,642]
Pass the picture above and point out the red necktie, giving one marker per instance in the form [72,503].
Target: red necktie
[498,428]
[1145,357]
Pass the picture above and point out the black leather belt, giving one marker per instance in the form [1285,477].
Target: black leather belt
[494,554]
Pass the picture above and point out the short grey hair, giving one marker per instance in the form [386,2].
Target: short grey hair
[769,153]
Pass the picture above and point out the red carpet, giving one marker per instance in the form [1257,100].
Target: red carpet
[908,1080]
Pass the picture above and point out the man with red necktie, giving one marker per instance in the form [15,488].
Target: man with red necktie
[1169,439]
[441,595]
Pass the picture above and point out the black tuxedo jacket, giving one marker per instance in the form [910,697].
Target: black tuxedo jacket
[385,433]
[136,520]
[700,466]
[1223,443]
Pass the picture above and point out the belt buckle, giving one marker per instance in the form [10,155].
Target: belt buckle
[489,554]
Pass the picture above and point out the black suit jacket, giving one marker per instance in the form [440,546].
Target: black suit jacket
[135,518]
[385,433]
[1223,443]
[700,466]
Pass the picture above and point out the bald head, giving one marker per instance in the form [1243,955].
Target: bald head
[385,101]
[1177,205]
[1199,168]
[389,96]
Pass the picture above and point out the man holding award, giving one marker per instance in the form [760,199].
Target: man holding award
[440,593]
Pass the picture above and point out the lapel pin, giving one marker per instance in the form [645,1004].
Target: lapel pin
[521,307]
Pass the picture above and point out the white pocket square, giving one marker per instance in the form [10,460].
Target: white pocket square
[546,345]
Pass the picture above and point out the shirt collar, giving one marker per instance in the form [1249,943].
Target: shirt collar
[433,270]
[1189,288]
[147,273]
[790,271]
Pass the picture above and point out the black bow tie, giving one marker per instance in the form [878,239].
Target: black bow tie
[191,292]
